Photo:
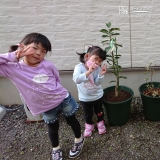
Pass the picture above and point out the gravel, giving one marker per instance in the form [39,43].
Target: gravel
[139,139]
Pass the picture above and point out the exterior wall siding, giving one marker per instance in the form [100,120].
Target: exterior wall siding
[72,24]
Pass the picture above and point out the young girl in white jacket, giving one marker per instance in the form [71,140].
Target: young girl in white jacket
[88,75]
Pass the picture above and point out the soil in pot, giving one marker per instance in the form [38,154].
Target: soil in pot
[110,96]
[151,92]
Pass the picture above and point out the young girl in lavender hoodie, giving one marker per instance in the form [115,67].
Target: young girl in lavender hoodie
[39,84]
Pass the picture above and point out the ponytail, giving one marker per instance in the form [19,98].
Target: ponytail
[13,48]
[81,57]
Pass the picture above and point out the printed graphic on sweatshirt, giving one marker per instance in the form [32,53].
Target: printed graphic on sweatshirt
[40,90]
[40,78]
[90,84]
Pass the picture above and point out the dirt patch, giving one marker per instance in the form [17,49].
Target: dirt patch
[139,139]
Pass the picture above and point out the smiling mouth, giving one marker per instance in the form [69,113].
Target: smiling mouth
[36,58]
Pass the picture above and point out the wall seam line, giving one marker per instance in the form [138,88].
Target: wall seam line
[130,33]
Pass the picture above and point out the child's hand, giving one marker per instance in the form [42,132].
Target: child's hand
[22,51]
[103,69]
[92,68]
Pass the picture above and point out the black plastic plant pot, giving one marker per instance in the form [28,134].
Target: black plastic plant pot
[118,112]
[151,105]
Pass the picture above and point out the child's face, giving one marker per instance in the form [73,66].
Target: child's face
[96,59]
[36,54]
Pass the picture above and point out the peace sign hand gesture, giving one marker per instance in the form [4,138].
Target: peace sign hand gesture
[22,51]
[103,69]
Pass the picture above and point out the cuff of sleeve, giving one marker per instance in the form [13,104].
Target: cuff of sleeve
[16,56]
[101,76]
[86,78]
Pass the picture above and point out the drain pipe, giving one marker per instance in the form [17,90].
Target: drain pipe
[10,109]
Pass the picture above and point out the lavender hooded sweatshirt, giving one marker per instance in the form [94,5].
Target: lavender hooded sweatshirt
[40,86]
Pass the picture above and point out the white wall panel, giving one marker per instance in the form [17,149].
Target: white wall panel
[72,24]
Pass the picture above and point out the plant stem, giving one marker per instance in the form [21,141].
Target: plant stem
[117,76]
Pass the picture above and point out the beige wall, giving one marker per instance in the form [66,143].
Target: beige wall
[10,95]
[72,24]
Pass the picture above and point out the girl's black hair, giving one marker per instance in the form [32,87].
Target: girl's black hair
[93,50]
[37,38]
[13,48]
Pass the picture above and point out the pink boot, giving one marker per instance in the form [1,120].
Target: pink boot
[101,127]
[88,130]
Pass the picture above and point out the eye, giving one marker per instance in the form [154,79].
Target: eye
[34,47]
[44,51]
[100,61]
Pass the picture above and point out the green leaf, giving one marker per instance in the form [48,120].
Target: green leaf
[113,29]
[105,36]
[114,34]
[119,66]
[104,41]
[123,77]
[109,63]
[114,72]
[117,56]
[112,81]
[104,31]
[110,60]
[108,24]
[118,45]
[107,49]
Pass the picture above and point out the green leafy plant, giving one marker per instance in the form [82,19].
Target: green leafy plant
[112,53]
[151,90]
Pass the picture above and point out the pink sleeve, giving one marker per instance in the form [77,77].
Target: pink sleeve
[8,57]
[56,74]
[6,61]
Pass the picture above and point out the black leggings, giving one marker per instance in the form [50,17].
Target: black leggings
[88,108]
[54,127]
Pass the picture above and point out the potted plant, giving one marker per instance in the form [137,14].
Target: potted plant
[117,99]
[150,95]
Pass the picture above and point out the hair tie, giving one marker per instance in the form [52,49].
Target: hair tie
[87,50]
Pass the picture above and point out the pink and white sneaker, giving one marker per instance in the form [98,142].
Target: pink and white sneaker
[88,130]
[101,127]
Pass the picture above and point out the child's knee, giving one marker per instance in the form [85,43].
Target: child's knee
[100,114]
[71,120]
[53,126]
